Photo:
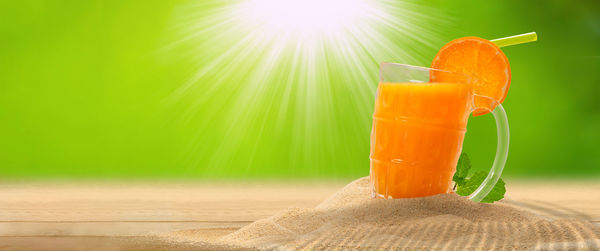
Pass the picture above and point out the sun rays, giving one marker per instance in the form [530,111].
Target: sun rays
[291,80]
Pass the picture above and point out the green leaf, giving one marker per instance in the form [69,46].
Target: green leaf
[472,183]
[462,169]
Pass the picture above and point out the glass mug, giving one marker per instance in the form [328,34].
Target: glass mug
[418,130]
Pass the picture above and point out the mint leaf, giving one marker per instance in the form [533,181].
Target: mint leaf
[472,183]
[462,169]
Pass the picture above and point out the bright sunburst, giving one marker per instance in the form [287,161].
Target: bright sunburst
[287,86]
[305,19]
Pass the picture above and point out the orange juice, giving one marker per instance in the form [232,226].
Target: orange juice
[417,135]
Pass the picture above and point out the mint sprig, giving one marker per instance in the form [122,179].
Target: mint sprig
[462,169]
[466,185]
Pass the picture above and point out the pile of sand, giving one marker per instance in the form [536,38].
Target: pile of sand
[350,219]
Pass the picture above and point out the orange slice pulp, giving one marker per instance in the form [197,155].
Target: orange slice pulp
[483,61]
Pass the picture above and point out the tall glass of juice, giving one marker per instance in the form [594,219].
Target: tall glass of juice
[418,130]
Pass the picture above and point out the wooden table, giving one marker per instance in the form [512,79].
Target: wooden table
[119,215]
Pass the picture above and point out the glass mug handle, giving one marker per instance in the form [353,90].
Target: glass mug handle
[501,150]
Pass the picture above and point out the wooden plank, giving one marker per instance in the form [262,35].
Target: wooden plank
[92,243]
[557,198]
[147,210]
[110,228]
[138,209]
[149,202]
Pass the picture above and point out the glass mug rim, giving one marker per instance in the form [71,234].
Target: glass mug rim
[468,79]
[463,78]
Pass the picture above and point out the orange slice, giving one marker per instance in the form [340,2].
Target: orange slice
[480,59]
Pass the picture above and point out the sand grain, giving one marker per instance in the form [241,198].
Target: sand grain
[350,219]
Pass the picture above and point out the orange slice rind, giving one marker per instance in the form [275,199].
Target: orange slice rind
[484,62]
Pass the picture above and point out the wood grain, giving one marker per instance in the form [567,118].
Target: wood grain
[124,213]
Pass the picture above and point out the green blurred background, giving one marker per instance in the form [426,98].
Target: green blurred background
[92,89]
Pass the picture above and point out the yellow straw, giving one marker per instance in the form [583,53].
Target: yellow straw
[517,39]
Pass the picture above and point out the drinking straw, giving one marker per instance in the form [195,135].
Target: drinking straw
[517,39]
